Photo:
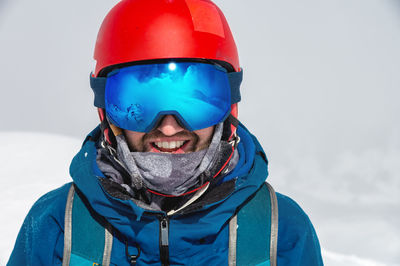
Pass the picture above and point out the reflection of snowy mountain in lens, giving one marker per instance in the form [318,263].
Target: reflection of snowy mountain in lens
[346,219]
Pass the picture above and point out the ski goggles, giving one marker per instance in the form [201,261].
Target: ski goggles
[136,98]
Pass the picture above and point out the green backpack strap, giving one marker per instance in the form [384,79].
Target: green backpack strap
[86,241]
[253,231]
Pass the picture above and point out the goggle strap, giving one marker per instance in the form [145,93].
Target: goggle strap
[98,85]
[235,79]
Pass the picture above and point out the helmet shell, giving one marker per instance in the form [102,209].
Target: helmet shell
[136,30]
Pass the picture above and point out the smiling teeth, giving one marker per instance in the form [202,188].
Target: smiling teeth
[169,145]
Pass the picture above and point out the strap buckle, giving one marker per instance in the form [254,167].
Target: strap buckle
[235,140]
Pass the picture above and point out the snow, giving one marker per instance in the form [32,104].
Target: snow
[353,202]
[31,165]
[355,229]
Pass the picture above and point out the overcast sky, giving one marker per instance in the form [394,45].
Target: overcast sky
[320,91]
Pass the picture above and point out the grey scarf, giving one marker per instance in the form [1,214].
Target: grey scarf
[167,173]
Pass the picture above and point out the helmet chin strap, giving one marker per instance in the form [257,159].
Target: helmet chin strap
[109,130]
[230,125]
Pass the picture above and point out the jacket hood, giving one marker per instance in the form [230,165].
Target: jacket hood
[249,174]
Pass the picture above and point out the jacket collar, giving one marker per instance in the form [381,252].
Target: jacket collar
[249,174]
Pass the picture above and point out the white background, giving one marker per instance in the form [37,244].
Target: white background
[320,91]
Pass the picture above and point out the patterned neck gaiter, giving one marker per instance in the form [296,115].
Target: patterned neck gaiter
[167,173]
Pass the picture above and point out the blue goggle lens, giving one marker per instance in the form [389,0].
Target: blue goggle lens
[198,94]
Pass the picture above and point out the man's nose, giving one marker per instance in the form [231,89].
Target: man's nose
[169,126]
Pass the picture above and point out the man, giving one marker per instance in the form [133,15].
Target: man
[170,177]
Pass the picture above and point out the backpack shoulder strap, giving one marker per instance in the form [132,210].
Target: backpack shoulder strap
[253,231]
[86,240]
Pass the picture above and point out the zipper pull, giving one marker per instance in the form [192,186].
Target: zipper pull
[164,230]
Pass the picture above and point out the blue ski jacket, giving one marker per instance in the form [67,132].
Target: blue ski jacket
[197,237]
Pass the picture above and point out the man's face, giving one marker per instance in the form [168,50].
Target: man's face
[169,137]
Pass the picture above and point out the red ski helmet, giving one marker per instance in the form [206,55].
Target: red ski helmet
[138,30]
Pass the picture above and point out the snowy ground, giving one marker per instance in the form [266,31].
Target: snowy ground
[31,165]
[353,202]
[354,216]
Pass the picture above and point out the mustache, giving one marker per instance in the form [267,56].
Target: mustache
[183,134]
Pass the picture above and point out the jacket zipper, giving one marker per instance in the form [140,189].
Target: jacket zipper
[164,230]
